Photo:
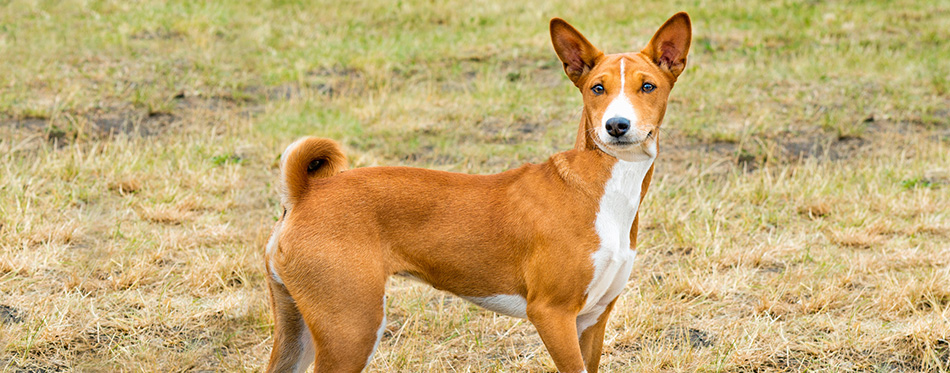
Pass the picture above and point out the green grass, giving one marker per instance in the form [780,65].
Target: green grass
[798,218]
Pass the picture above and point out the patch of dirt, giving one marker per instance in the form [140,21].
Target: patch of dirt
[336,71]
[32,367]
[129,122]
[427,154]
[282,92]
[108,122]
[675,337]
[496,130]
[539,69]
[695,338]
[331,81]
[10,315]
[797,148]
[158,34]
[792,146]
[31,124]
[772,267]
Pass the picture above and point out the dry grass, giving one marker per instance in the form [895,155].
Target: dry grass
[799,218]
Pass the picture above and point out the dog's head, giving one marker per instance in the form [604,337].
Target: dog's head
[625,94]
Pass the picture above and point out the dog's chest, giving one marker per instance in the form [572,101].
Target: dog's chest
[613,260]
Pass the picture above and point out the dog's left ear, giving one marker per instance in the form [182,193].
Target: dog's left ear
[670,45]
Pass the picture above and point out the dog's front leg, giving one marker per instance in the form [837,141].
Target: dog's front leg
[592,339]
[557,327]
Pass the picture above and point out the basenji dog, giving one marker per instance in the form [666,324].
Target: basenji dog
[550,242]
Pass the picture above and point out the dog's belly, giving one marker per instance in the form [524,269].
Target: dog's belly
[513,305]
[506,304]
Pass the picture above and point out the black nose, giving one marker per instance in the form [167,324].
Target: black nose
[617,126]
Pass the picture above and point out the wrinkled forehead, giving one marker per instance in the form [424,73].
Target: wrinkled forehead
[632,63]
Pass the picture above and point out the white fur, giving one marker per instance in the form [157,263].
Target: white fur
[379,334]
[505,304]
[282,189]
[307,351]
[272,250]
[613,261]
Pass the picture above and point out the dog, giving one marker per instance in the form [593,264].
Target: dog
[551,242]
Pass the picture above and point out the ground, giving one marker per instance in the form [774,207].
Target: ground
[799,219]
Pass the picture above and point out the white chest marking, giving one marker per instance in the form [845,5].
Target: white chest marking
[613,261]
[505,304]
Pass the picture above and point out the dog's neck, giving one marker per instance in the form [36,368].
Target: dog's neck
[584,132]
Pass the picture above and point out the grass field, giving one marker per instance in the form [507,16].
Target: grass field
[799,219]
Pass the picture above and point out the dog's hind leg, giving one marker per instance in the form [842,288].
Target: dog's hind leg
[346,327]
[293,345]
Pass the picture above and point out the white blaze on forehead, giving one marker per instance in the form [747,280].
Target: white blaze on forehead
[620,106]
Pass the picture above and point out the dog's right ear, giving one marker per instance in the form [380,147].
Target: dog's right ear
[576,53]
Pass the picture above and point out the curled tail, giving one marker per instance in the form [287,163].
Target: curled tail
[307,158]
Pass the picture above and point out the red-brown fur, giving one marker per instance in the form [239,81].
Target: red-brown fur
[527,231]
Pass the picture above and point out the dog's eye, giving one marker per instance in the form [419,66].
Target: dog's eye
[647,87]
[597,89]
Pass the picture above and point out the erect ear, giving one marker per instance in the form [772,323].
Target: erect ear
[573,49]
[670,44]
